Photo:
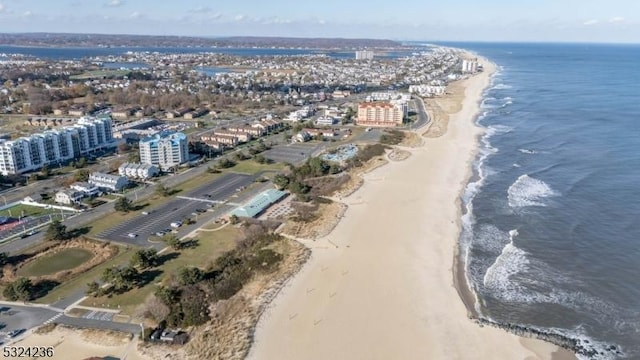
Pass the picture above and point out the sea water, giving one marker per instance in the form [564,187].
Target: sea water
[551,224]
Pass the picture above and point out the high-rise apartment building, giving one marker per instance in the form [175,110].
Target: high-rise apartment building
[55,146]
[165,150]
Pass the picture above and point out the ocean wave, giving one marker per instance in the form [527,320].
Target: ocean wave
[511,261]
[498,129]
[528,151]
[528,191]
[501,87]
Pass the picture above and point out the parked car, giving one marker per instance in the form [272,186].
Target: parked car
[176,224]
[160,233]
[14,333]
[132,235]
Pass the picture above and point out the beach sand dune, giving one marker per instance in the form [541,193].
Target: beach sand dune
[380,286]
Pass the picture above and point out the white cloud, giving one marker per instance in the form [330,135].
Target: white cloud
[27,13]
[239,17]
[215,16]
[135,15]
[2,8]
[115,3]
[590,22]
[202,10]
[616,20]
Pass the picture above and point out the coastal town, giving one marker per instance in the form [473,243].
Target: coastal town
[161,201]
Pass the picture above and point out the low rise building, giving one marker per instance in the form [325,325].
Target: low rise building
[138,171]
[259,203]
[228,140]
[68,196]
[85,188]
[196,114]
[108,182]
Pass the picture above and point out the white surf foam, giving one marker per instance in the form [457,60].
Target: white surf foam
[528,151]
[511,261]
[528,191]
[501,87]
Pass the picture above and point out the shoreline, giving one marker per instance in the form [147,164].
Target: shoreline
[383,287]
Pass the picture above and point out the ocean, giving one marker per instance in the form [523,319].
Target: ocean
[551,224]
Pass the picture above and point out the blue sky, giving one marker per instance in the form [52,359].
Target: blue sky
[489,20]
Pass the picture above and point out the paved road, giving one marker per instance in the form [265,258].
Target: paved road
[15,317]
[423,117]
[98,324]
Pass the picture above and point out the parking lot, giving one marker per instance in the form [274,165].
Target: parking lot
[13,317]
[207,197]
[292,153]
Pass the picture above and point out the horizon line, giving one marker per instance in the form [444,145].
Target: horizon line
[214,37]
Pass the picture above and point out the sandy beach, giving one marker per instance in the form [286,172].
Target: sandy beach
[381,284]
[77,344]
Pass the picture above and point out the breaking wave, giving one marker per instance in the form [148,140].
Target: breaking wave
[528,191]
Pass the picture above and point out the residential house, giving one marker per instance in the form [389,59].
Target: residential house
[68,197]
[85,188]
[138,171]
[108,182]
[196,113]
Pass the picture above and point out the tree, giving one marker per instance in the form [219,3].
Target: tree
[123,205]
[4,258]
[233,219]
[260,159]
[162,190]
[281,181]
[21,289]
[195,309]
[81,175]
[225,163]
[133,157]
[56,231]
[82,162]
[144,258]
[173,241]
[121,279]
[190,275]
[157,309]
[123,148]
[93,288]
[298,188]
[45,171]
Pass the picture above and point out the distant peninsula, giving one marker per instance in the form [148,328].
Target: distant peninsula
[104,40]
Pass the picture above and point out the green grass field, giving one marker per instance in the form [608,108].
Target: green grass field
[252,167]
[210,246]
[63,260]
[26,210]
[71,286]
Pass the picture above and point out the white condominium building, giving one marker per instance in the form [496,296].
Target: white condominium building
[165,150]
[54,146]
[364,54]
[108,181]
[469,66]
